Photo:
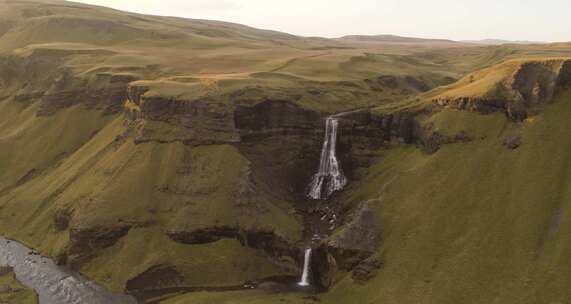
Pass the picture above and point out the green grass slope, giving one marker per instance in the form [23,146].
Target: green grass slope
[12,291]
[107,183]
[474,222]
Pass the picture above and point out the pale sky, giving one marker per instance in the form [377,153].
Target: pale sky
[536,20]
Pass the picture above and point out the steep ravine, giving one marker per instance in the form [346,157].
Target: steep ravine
[347,247]
[236,179]
[283,143]
[279,144]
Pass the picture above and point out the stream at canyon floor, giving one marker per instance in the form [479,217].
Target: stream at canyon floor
[54,284]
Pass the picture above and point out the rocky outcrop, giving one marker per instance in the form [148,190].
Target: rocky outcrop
[62,218]
[481,105]
[357,239]
[164,118]
[524,93]
[366,270]
[86,242]
[349,249]
[535,82]
[274,117]
[42,75]
[204,236]
[432,141]
[105,91]
[27,78]
[157,276]
[513,140]
[274,245]
[514,109]
[324,268]
[398,127]
[134,94]
[363,133]
[564,79]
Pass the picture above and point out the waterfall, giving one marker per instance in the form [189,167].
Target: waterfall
[329,177]
[305,275]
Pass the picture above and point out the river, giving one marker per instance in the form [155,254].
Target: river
[54,284]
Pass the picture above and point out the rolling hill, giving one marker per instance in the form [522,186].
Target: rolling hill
[168,158]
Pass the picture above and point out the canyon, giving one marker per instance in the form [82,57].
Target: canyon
[168,160]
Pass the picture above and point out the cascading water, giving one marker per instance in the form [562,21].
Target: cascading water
[329,177]
[305,275]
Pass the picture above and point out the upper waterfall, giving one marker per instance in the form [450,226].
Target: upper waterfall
[329,177]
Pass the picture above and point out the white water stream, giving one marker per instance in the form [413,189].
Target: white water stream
[305,275]
[329,177]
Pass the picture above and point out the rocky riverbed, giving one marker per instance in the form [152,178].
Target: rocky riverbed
[54,284]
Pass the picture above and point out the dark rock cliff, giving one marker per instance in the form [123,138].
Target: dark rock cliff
[532,86]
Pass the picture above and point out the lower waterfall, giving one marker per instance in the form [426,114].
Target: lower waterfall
[305,275]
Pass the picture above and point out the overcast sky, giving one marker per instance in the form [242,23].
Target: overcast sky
[537,20]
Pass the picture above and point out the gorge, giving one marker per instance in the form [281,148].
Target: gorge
[328,179]
[170,160]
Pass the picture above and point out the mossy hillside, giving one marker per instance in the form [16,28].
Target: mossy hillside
[74,22]
[32,201]
[202,47]
[14,292]
[225,263]
[474,222]
[60,75]
[111,182]
[92,178]
[495,81]
[450,122]
[38,143]
[97,43]
[137,47]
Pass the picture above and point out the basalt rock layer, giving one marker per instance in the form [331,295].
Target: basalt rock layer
[525,87]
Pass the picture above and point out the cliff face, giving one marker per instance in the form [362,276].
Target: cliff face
[520,94]
[106,91]
[564,79]
[50,78]
[163,118]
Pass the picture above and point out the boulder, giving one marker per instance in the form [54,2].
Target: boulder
[366,270]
